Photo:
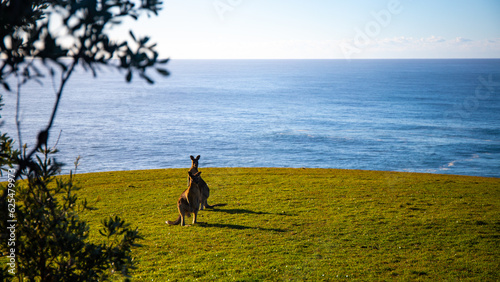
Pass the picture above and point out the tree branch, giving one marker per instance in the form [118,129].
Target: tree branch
[18,120]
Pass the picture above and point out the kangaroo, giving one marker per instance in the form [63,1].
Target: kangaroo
[194,165]
[189,201]
[205,191]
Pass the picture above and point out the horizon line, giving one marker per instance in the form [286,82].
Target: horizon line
[338,59]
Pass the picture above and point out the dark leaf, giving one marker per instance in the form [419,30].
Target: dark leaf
[62,65]
[129,76]
[164,61]
[163,72]
[145,40]
[133,36]
[123,62]
[149,80]
[6,86]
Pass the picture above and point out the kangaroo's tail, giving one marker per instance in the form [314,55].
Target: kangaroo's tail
[216,205]
[176,222]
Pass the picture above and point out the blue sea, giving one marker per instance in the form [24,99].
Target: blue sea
[435,116]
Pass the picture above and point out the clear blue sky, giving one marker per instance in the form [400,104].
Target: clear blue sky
[295,29]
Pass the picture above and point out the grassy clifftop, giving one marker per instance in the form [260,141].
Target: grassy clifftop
[306,224]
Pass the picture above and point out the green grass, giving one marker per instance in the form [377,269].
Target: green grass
[306,224]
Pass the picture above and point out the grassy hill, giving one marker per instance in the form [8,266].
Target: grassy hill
[306,224]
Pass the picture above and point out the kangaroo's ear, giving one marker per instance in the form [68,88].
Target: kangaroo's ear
[198,157]
[192,157]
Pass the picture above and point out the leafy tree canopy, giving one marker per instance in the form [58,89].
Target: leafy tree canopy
[49,242]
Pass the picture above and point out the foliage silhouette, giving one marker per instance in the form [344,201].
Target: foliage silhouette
[50,241]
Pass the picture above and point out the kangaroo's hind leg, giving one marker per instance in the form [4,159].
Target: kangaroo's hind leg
[183,222]
[182,212]
[195,217]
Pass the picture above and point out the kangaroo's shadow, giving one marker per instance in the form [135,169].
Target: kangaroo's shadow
[242,211]
[239,227]
[238,211]
[214,206]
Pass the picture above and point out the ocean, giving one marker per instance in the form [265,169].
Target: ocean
[434,116]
